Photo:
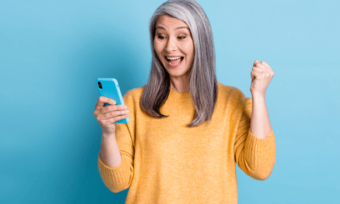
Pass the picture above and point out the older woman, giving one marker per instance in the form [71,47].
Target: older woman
[186,129]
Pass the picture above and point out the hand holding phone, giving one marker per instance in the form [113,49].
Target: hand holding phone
[108,115]
[110,108]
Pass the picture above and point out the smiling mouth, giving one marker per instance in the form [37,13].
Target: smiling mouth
[174,60]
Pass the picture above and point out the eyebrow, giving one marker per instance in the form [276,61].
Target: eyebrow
[160,27]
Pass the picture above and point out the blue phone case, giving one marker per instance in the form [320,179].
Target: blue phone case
[110,89]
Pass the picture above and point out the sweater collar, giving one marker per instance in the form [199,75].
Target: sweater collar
[178,95]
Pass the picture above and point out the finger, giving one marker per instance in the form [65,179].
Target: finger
[265,63]
[260,65]
[259,69]
[102,100]
[256,62]
[255,75]
[263,71]
[269,68]
[113,114]
[108,109]
[262,75]
[115,118]
[266,66]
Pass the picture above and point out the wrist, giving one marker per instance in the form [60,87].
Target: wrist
[258,96]
[108,136]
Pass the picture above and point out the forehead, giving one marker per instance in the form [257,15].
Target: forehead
[169,22]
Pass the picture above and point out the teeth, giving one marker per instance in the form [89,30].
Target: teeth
[174,64]
[173,58]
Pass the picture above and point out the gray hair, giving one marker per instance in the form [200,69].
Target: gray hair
[203,86]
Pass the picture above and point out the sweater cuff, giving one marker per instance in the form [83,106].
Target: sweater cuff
[260,151]
[117,176]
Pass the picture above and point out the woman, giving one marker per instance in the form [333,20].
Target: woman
[185,130]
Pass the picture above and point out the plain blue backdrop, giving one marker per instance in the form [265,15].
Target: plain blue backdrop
[51,53]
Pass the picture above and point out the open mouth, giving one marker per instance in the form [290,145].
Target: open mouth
[174,61]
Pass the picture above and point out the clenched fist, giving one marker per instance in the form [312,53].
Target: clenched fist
[261,75]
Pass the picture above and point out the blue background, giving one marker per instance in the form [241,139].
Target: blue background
[51,53]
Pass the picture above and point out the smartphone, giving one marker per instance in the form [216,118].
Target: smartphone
[109,88]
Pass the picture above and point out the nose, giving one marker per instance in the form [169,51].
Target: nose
[171,45]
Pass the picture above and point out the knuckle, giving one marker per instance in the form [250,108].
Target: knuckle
[107,115]
[113,108]
[108,108]
[113,120]
[112,114]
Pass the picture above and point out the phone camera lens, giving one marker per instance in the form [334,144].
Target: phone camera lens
[100,85]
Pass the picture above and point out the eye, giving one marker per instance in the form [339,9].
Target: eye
[181,37]
[161,37]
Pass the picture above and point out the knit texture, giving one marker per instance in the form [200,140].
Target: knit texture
[163,161]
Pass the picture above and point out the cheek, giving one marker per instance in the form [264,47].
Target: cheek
[188,48]
[158,48]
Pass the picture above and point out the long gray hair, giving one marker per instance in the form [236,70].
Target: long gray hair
[203,86]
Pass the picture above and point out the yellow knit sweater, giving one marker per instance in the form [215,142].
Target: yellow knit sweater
[164,162]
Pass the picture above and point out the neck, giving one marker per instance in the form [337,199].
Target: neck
[179,85]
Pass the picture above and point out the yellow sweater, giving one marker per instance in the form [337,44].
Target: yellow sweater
[164,162]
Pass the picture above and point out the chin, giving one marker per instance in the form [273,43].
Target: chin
[177,73]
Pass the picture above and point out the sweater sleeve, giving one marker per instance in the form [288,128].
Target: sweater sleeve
[119,178]
[255,156]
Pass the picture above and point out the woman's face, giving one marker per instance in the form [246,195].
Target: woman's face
[174,46]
